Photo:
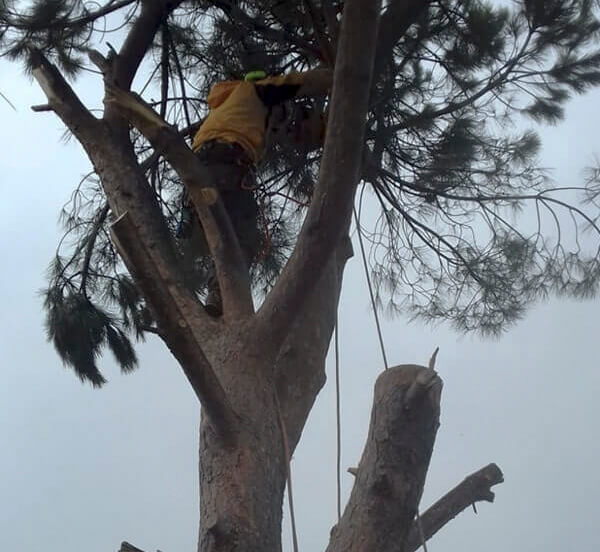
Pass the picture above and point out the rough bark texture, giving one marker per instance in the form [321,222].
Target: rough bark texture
[241,487]
[391,473]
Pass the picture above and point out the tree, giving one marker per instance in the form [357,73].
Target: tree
[426,119]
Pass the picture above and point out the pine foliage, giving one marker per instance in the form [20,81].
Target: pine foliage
[451,157]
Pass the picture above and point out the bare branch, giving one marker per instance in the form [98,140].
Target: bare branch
[41,108]
[474,488]
[331,207]
[139,39]
[62,99]
[391,474]
[399,16]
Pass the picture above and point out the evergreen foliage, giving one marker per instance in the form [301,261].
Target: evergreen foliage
[451,154]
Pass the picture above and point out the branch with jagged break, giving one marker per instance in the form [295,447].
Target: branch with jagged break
[391,474]
[62,98]
[232,272]
[181,313]
[475,488]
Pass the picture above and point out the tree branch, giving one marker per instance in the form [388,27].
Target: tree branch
[300,366]
[144,242]
[240,17]
[139,39]
[474,488]
[331,207]
[62,99]
[181,313]
[399,16]
[391,474]
[232,272]
[89,247]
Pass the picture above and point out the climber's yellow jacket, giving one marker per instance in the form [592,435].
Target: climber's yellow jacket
[238,110]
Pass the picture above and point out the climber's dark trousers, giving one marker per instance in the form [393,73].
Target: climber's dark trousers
[231,169]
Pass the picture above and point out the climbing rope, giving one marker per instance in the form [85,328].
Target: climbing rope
[338,418]
[370,285]
[383,354]
[288,466]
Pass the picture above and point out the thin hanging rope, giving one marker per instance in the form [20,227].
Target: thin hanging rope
[338,417]
[421,534]
[288,462]
[372,295]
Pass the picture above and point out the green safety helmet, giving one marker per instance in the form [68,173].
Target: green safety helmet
[254,76]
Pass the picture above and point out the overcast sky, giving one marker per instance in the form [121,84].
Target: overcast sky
[83,469]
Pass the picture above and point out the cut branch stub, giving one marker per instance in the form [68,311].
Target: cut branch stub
[391,474]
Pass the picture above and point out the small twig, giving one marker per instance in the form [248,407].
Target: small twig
[89,249]
[42,107]
[433,358]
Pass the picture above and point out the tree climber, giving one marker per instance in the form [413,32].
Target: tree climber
[231,141]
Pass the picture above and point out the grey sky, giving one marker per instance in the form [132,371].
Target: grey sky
[85,469]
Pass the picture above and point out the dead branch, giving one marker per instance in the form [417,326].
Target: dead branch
[475,488]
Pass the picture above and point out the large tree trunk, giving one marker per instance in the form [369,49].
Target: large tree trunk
[241,487]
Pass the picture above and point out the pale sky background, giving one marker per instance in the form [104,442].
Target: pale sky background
[82,469]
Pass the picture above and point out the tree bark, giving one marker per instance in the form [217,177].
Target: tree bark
[331,206]
[474,488]
[300,367]
[391,474]
[241,487]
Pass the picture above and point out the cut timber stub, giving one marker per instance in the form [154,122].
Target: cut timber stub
[391,474]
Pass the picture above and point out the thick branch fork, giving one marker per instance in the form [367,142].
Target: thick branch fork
[184,314]
[145,245]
